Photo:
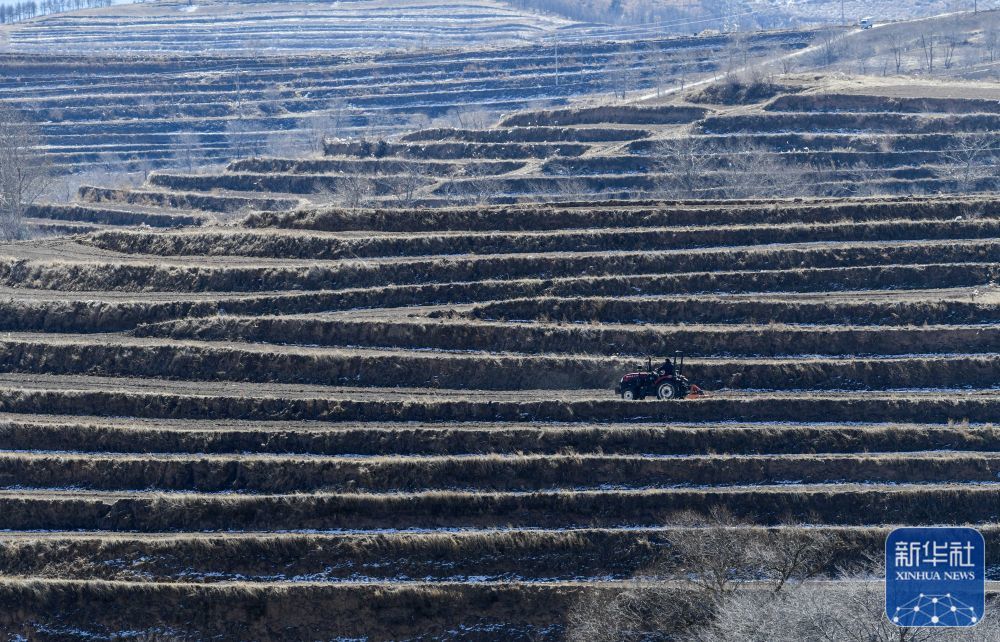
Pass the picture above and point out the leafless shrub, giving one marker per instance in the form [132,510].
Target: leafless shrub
[474,118]
[464,118]
[973,161]
[271,100]
[714,558]
[831,43]
[241,136]
[320,126]
[850,611]
[354,191]
[752,587]
[571,190]
[228,218]
[686,160]
[867,181]
[64,187]
[755,172]
[751,86]
[189,153]
[694,167]
[638,612]
[24,175]
[478,187]
[287,144]
[404,187]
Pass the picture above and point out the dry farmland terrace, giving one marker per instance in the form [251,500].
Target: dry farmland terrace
[212,26]
[105,100]
[810,137]
[400,424]
[804,135]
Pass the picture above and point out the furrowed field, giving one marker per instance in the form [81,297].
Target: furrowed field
[400,424]
[368,393]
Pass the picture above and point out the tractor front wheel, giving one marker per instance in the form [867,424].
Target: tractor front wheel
[628,395]
[666,391]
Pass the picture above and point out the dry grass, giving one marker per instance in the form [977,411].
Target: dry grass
[722,310]
[326,247]
[623,214]
[132,435]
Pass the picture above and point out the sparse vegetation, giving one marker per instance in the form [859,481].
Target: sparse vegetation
[24,175]
[357,384]
[725,582]
[736,89]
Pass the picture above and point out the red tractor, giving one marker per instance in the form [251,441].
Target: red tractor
[667,381]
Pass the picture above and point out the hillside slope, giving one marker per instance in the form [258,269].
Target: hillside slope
[401,424]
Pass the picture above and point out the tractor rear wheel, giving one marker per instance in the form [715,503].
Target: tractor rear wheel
[666,391]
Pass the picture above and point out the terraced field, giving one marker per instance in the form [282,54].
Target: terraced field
[815,137]
[400,424]
[823,138]
[135,87]
[215,27]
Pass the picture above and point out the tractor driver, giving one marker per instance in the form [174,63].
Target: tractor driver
[667,368]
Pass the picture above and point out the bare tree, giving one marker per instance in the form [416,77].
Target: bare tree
[949,44]
[662,66]
[991,41]
[785,559]
[897,48]
[684,161]
[973,160]
[271,101]
[623,73]
[189,153]
[831,46]
[730,583]
[692,167]
[866,181]
[404,187]
[737,52]
[637,612]
[474,118]
[355,191]
[242,137]
[377,124]
[481,187]
[862,52]
[852,610]
[240,130]
[287,144]
[569,189]
[713,557]
[24,174]
[320,126]
[755,172]
[928,44]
